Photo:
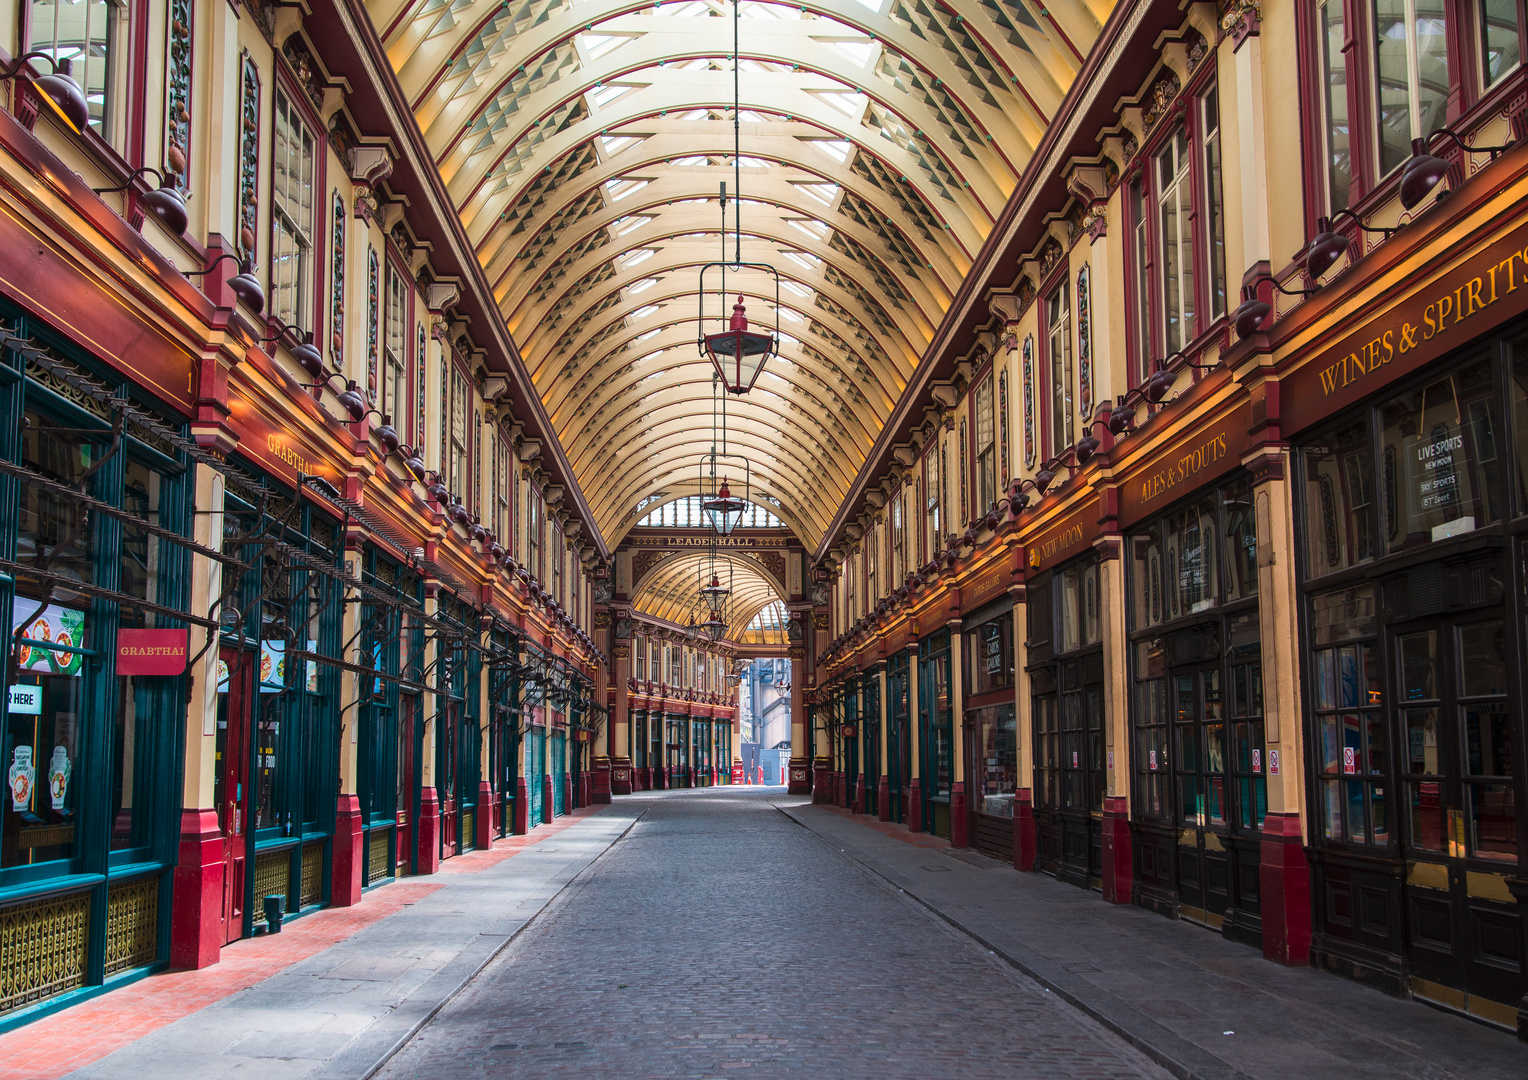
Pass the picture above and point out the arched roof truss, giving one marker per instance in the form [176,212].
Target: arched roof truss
[583,143]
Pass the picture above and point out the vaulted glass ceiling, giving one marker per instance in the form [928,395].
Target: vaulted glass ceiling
[583,143]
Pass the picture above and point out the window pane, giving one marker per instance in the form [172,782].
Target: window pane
[1339,161]
[1215,225]
[1500,50]
[1339,501]
[1493,821]
[1411,74]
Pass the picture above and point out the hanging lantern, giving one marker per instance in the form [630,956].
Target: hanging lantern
[714,627]
[738,353]
[715,594]
[723,509]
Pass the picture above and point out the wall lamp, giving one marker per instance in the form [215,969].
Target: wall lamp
[1115,417]
[244,284]
[58,89]
[1250,315]
[165,200]
[1423,171]
[1327,246]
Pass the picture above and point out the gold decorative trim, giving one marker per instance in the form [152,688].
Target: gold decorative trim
[1427,875]
[42,949]
[132,925]
[1488,886]
[273,877]
[377,843]
[312,875]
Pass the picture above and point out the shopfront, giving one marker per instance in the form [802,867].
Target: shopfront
[505,710]
[700,752]
[722,741]
[676,744]
[91,563]
[640,748]
[936,734]
[991,729]
[1199,759]
[1413,507]
[869,743]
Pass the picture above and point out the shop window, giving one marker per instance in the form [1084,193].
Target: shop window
[1058,331]
[986,448]
[1239,522]
[293,153]
[1349,732]
[93,35]
[1339,498]
[1146,605]
[1438,447]
[989,649]
[1150,723]
[1248,767]
[1192,552]
[1140,265]
[394,342]
[996,733]
[1079,609]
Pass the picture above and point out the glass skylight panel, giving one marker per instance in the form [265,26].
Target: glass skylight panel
[792,315]
[637,257]
[798,289]
[641,286]
[823,193]
[614,144]
[619,189]
[597,45]
[860,50]
[815,229]
[837,149]
[605,93]
[644,311]
[624,225]
[801,258]
[654,332]
[846,102]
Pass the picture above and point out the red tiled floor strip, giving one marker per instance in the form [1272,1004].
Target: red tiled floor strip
[72,1038]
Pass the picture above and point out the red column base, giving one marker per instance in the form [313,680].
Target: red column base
[1118,859]
[860,806]
[567,790]
[623,780]
[483,822]
[429,832]
[547,813]
[196,903]
[1284,876]
[1025,838]
[883,800]
[799,780]
[960,816]
[599,787]
[739,774]
[822,786]
[522,800]
[915,808]
[347,864]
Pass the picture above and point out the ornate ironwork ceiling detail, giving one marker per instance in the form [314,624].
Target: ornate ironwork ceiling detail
[583,143]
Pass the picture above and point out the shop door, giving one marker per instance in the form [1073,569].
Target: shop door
[505,759]
[559,769]
[1199,753]
[898,748]
[469,770]
[407,707]
[1081,765]
[870,734]
[449,762]
[230,781]
[535,771]
[1463,928]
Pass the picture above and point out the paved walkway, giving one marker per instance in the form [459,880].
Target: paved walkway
[725,931]
[1201,1005]
[720,939]
[336,991]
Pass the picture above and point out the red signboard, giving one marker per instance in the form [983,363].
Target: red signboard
[1188,463]
[151,652]
[1068,537]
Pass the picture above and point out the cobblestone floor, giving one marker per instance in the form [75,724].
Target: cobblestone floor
[719,938]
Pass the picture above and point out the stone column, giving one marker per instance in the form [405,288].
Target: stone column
[487,799]
[430,704]
[1024,835]
[1118,857]
[196,911]
[960,816]
[915,741]
[604,750]
[620,720]
[1285,872]
[348,855]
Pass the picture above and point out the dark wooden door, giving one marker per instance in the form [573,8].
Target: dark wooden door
[1200,763]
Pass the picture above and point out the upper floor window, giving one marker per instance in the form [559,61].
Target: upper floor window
[898,538]
[1214,202]
[986,448]
[293,151]
[92,35]
[1175,220]
[932,466]
[1500,41]
[533,531]
[676,673]
[1140,267]
[1335,137]
[395,365]
[1058,330]
[1410,74]
[503,490]
[458,465]
[870,560]
[559,552]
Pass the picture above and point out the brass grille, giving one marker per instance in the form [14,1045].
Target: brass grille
[312,874]
[42,949]
[469,829]
[377,866]
[273,877]
[132,925]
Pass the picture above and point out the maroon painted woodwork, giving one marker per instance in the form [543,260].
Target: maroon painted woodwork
[429,831]
[883,799]
[1118,870]
[600,788]
[800,778]
[546,800]
[960,816]
[196,905]
[483,822]
[1025,837]
[915,809]
[822,785]
[567,798]
[1284,879]
[520,825]
[348,861]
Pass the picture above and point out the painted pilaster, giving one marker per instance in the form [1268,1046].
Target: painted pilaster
[883,782]
[620,721]
[428,839]
[348,857]
[1024,836]
[1118,860]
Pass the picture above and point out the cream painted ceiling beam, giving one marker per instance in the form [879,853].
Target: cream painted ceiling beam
[679,337]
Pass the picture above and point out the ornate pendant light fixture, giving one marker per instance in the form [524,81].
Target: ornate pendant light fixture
[737,353]
[724,478]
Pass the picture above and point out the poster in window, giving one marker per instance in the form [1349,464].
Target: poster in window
[273,665]
[51,625]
